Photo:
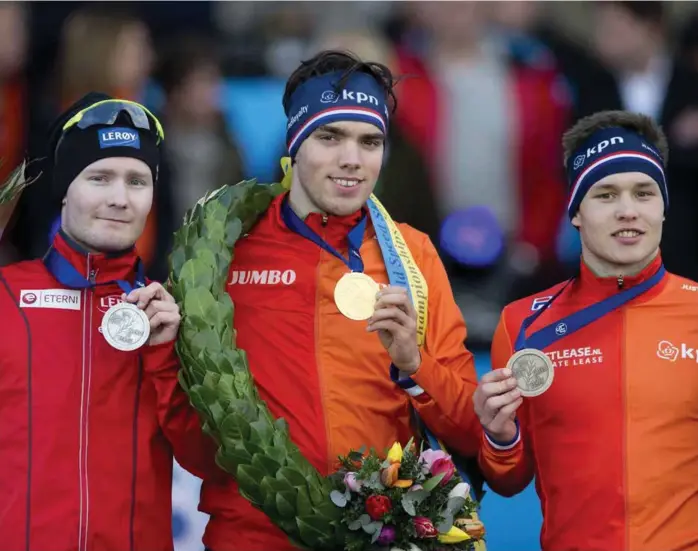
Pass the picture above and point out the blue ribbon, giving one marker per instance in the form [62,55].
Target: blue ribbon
[355,237]
[68,276]
[550,334]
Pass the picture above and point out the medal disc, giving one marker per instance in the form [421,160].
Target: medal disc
[126,327]
[355,296]
[533,371]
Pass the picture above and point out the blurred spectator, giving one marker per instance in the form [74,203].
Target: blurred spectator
[104,49]
[523,26]
[688,43]
[199,154]
[13,109]
[488,121]
[631,38]
[404,186]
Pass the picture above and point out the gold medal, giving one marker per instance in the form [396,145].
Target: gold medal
[533,371]
[355,296]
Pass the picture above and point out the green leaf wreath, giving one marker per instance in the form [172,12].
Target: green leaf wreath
[254,447]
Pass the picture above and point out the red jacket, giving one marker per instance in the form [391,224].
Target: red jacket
[324,373]
[613,443]
[87,432]
[541,117]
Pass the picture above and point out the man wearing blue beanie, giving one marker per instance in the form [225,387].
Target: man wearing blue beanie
[91,412]
[594,388]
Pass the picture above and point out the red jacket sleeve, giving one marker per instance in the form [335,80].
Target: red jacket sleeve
[447,374]
[179,421]
[507,469]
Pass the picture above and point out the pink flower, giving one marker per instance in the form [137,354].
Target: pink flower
[351,482]
[443,465]
[424,527]
[429,456]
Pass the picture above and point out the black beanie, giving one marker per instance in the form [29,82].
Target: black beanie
[77,148]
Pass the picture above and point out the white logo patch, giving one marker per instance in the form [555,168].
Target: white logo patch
[667,351]
[59,299]
[262,277]
[569,357]
[539,302]
[107,302]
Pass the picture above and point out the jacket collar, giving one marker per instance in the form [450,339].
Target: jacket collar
[103,267]
[595,287]
[333,229]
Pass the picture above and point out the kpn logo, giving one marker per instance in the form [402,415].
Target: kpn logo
[119,137]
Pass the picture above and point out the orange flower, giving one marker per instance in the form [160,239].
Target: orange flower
[474,528]
[389,477]
[390,474]
[402,484]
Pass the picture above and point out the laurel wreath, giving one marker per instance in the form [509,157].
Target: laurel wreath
[253,446]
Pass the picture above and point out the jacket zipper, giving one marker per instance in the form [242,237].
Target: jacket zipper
[624,387]
[318,365]
[86,380]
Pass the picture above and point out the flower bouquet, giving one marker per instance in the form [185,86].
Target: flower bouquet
[407,501]
[256,448]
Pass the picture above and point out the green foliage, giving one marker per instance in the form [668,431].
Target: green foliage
[254,447]
[316,512]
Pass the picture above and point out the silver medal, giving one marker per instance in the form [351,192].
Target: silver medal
[126,327]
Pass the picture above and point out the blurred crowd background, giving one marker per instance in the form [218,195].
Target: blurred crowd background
[473,158]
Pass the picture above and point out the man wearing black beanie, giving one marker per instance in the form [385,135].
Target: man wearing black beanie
[91,410]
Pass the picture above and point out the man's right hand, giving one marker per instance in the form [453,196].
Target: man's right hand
[496,400]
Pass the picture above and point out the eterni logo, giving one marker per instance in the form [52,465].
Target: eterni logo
[262,277]
[119,137]
[667,351]
[58,299]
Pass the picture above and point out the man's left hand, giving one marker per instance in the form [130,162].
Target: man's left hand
[161,309]
[395,320]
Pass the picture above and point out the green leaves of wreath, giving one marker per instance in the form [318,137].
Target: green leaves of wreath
[252,446]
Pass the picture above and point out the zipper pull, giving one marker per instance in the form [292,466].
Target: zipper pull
[324,220]
[620,281]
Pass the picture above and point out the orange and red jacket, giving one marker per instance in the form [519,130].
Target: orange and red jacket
[613,443]
[87,432]
[325,374]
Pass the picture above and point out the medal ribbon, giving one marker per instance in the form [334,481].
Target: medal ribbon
[402,271]
[551,333]
[68,276]
[355,237]
[399,263]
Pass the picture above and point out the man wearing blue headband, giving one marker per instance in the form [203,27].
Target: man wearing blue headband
[594,388]
[347,318]
[91,410]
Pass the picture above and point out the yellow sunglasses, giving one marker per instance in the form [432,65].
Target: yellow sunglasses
[107,111]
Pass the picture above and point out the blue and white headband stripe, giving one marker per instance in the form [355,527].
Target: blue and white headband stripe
[320,100]
[612,151]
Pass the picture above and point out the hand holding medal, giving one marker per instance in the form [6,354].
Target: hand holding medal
[388,310]
[147,315]
[395,320]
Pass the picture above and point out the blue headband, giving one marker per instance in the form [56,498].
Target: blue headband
[319,101]
[612,151]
